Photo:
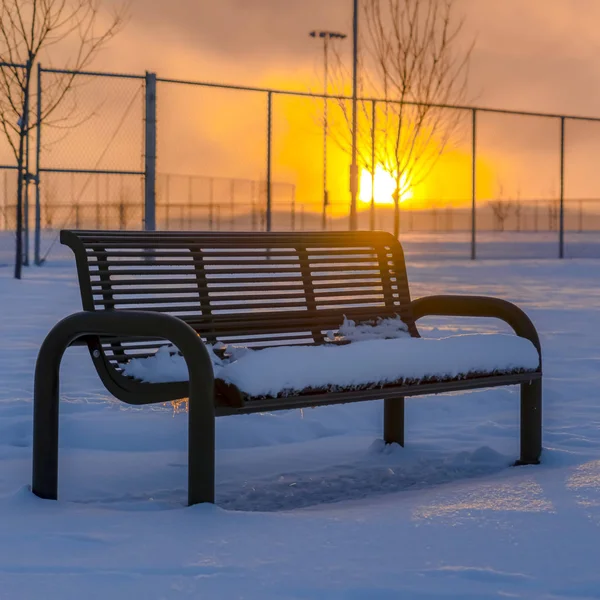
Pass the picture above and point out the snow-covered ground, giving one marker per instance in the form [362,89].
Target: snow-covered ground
[310,504]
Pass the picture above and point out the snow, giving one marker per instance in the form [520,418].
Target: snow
[286,370]
[165,365]
[389,328]
[311,504]
[168,365]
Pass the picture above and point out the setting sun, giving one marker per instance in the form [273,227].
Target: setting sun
[384,187]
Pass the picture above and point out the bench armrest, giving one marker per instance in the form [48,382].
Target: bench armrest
[478,306]
[201,415]
[135,323]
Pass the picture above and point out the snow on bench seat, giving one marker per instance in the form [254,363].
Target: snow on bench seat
[289,370]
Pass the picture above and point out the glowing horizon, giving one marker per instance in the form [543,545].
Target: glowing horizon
[385,185]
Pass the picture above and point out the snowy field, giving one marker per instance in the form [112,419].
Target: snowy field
[311,505]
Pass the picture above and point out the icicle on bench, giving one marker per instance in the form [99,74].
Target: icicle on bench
[207,294]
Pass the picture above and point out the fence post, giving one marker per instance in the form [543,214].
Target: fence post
[269,144]
[97,202]
[473,185]
[190,203]
[211,205]
[325,139]
[232,205]
[168,200]
[38,148]
[293,223]
[373,121]
[122,225]
[150,154]
[561,220]
[107,205]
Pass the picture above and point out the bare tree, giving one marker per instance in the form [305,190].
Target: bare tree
[50,205]
[415,61]
[29,28]
[501,209]
[553,212]
[518,208]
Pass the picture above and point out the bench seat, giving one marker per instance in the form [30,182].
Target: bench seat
[287,371]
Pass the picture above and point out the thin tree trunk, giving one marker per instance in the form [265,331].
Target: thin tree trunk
[19,224]
[21,174]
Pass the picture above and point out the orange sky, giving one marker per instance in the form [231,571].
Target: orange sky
[536,55]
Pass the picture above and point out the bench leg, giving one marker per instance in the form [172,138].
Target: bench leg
[201,444]
[45,417]
[531,423]
[393,421]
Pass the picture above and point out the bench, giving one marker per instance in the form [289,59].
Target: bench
[143,290]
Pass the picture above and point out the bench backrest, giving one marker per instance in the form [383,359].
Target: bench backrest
[259,289]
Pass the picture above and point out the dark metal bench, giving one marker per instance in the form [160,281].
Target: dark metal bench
[142,290]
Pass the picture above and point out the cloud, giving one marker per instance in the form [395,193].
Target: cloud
[533,54]
[536,55]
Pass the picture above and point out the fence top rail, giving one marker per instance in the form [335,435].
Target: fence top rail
[92,73]
[90,171]
[301,94]
[376,100]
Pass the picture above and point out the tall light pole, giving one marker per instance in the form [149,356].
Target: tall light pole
[325,36]
[354,165]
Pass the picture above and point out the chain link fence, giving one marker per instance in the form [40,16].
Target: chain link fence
[89,154]
[235,158]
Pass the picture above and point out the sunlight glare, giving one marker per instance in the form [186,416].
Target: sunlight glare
[384,187]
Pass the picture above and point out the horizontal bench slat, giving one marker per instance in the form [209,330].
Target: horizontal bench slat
[141,295]
[114,282]
[266,261]
[274,325]
[210,254]
[349,239]
[126,342]
[217,243]
[149,345]
[218,298]
[190,271]
[295,279]
[160,296]
[265,264]
[315,271]
[219,286]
